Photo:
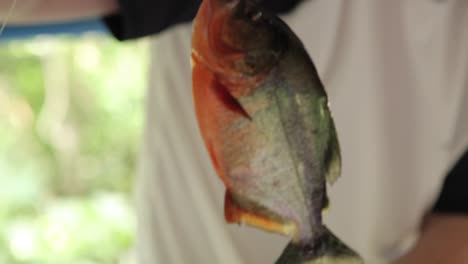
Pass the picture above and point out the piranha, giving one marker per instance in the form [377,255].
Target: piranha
[265,121]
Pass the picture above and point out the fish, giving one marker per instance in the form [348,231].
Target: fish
[266,123]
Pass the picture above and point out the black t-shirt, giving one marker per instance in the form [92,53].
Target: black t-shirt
[454,195]
[138,18]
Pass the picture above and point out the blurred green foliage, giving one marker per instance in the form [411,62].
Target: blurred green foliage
[70,123]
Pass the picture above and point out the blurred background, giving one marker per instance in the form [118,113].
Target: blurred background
[70,125]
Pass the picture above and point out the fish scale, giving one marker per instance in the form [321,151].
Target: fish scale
[264,117]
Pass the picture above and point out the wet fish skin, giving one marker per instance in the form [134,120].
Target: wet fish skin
[264,117]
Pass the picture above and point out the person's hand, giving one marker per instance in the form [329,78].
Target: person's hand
[43,11]
[444,240]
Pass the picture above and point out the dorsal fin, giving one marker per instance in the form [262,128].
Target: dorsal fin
[333,156]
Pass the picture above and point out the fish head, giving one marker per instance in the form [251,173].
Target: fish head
[235,39]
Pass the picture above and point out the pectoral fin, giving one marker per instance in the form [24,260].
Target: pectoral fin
[229,101]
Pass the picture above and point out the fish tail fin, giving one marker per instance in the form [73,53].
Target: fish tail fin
[328,249]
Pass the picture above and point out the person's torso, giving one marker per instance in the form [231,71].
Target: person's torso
[395,74]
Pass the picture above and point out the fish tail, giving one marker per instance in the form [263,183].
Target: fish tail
[327,249]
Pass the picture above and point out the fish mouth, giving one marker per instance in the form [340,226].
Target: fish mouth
[230,4]
[219,9]
[209,46]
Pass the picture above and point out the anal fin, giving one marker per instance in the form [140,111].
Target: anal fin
[234,213]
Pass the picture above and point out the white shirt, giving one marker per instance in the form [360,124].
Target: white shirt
[397,76]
